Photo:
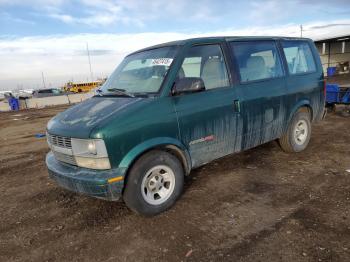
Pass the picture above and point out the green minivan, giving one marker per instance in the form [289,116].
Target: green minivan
[170,108]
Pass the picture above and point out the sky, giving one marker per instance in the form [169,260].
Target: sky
[50,37]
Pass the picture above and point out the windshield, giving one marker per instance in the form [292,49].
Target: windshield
[141,72]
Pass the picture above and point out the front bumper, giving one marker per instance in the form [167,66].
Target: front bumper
[86,181]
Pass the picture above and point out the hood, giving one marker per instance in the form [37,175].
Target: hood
[78,121]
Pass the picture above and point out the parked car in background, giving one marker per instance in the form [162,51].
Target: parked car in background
[170,108]
[4,94]
[47,92]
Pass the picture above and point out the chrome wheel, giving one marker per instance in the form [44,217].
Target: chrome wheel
[158,185]
[301,132]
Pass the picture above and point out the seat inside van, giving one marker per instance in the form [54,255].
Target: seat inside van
[214,74]
[255,69]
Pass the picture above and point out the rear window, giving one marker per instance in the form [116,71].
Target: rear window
[257,60]
[299,57]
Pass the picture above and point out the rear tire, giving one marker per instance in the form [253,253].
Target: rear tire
[154,183]
[298,134]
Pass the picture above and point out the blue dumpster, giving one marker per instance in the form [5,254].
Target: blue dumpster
[346,97]
[331,71]
[14,103]
[332,95]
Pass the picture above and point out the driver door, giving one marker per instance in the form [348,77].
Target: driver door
[209,122]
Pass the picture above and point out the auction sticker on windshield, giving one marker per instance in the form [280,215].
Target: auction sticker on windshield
[162,61]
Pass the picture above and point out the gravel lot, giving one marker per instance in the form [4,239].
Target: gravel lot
[258,205]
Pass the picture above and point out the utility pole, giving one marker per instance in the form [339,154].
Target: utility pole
[42,75]
[301,30]
[88,53]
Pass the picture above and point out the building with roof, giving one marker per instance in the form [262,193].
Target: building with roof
[335,54]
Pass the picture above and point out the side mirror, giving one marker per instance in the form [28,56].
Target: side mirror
[188,85]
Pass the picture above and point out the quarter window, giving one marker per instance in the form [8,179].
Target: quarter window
[257,60]
[299,57]
[208,63]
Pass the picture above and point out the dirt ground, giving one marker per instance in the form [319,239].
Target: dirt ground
[258,205]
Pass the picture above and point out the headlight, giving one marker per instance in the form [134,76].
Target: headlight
[92,147]
[90,153]
[93,163]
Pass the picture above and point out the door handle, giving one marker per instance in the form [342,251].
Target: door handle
[236,106]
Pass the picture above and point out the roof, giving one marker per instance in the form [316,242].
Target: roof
[333,39]
[226,38]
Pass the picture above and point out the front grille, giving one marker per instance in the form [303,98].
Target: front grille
[62,148]
[60,141]
[65,158]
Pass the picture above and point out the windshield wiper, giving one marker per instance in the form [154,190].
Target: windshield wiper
[120,92]
[142,94]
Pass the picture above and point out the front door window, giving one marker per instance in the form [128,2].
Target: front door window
[208,63]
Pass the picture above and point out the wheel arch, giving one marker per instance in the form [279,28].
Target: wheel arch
[170,145]
[301,105]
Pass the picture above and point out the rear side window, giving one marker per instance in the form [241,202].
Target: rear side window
[299,57]
[257,60]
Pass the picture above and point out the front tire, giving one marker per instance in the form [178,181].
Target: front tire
[154,183]
[298,134]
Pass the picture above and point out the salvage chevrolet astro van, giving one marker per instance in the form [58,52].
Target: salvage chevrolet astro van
[173,107]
